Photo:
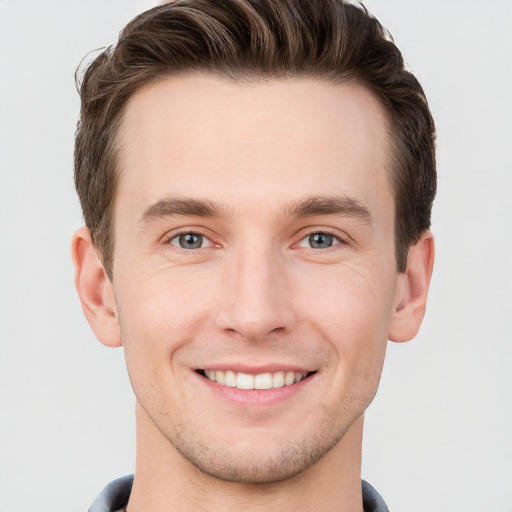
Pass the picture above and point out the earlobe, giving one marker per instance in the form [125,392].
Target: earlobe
[95,290]
[411,304]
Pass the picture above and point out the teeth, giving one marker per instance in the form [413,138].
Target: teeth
[220,377]
[230,378]
[261,381]
[278,380]
[289,379]
[244,381]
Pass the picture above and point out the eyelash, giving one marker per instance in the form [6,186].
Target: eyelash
[326,231]
[168,239]
[339,239]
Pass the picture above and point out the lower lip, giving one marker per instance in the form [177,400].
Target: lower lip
[256,397]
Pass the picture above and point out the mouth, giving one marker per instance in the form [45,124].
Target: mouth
[267,380]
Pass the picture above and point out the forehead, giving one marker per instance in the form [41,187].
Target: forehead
[262,141]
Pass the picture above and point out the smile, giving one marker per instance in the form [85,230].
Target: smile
[241,380]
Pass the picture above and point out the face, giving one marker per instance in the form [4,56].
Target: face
[254,268]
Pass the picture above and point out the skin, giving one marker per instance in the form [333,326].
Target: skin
[255,169]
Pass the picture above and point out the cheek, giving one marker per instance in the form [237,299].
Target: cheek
[349,298]
[350,309]
[159,315]
[168,298]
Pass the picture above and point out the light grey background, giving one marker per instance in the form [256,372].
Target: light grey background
[439,434]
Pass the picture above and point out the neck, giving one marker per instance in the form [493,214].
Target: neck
[166,482]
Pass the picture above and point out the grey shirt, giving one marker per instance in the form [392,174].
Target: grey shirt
[115,497]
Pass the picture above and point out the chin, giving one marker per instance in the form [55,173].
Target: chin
[253,462]
[252,468]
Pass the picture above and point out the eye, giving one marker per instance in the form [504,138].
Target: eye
[190,241]
[320,240]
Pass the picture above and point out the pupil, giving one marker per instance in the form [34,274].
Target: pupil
[320,240]
[191,241]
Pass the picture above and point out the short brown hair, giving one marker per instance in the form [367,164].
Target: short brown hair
[243,40]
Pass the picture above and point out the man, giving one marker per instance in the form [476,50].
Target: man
[256,178]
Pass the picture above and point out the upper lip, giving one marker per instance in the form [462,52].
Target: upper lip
[256,369]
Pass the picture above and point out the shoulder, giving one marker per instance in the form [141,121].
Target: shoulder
[372,500]
[114,496]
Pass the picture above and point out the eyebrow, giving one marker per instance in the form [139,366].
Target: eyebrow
[329,205]
[308,207]
[180,206]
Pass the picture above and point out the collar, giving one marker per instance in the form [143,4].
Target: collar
[115,495]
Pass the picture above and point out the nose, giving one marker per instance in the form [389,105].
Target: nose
[257,296]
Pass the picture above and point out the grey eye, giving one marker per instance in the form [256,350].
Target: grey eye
[188,241]
[321,240]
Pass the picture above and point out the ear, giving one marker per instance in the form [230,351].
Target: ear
[95,290]
[412,299]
